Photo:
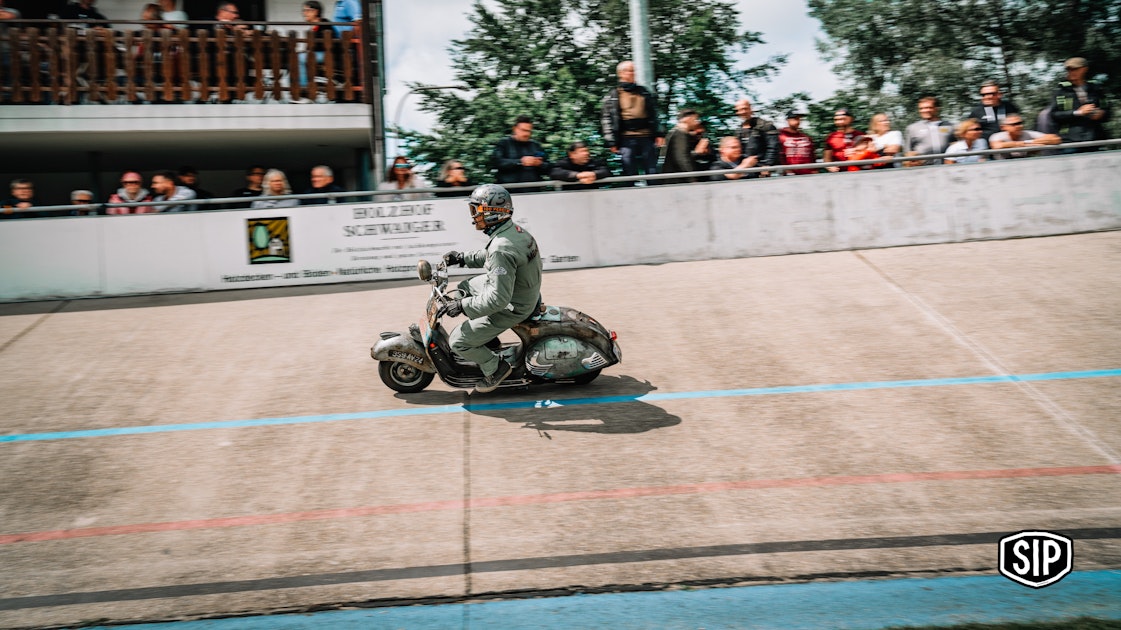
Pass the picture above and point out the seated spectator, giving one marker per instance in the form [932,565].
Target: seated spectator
[322,181]
[1014,135]
[969,131]
[731,157]
[167,188]
[189,177]
[83,198]
[400,176]
[254,185]
[276,184]
[840,140]
[453,180]
[517,158]
[887,141]
[131,191]
[681,146]
[795,145]
[578,166]
[992,109]
[862,149]
[930,135]
[170,14]
[313,14]
[22,198]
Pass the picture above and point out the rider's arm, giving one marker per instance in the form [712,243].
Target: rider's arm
[497,289]
[475,259]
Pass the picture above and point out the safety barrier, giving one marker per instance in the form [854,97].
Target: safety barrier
[70,257]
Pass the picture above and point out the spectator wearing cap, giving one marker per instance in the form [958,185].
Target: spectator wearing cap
[83,199]
[189,177]
[1079,107]
[795,145]
[887,141]
[132,190]
[930,135]
[839,141]
[578,166]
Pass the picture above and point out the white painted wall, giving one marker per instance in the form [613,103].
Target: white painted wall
[80,256]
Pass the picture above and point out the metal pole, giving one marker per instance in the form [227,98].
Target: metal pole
[374,83]
[640,45]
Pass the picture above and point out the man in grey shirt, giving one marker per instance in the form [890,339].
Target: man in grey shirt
[928,136]
[1013,135]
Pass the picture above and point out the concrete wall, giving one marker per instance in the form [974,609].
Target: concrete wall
[90,256]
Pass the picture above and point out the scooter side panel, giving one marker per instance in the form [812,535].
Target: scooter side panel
[403,349]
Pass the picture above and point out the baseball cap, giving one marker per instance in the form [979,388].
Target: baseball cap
[1075,62]
[795,113]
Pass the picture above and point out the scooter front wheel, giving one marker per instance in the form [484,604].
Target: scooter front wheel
[403,377]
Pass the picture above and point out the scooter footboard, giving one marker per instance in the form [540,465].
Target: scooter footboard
[403,349]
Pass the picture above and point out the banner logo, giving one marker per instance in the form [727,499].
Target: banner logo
[1036,559]
[269,241]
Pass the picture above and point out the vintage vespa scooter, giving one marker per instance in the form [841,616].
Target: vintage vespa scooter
[556,344]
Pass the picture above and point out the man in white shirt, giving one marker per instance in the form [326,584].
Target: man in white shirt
[1013,135]
[168,12]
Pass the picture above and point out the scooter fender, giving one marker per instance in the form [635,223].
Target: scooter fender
[402,349]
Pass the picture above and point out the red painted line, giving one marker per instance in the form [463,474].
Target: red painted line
[562,497]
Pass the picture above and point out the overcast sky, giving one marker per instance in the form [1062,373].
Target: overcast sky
[418,35]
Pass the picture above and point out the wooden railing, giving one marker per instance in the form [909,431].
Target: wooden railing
[67,66]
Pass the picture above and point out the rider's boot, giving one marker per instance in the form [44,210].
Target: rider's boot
[490,383]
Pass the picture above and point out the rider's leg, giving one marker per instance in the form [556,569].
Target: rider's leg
[469,339]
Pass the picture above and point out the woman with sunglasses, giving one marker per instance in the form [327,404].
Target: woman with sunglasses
[970,132]
[453,180]
[400,176]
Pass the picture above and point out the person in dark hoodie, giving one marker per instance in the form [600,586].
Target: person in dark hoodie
[578,166]
[518,158]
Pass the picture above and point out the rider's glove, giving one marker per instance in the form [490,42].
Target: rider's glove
[451,309]
[453,258]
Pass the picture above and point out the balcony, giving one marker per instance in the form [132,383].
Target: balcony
[52,62]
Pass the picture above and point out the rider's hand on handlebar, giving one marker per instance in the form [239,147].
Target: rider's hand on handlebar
[453,258]
[451,309]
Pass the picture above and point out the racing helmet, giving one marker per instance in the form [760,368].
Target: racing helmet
[490,205]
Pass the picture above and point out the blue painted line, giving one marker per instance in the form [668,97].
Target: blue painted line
[569,402]
[859,604]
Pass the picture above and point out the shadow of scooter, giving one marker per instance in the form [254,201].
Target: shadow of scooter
[608,405]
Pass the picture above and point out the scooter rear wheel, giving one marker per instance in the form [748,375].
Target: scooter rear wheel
[403,377]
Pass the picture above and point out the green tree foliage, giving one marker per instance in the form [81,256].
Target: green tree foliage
[554,60]
[891,52]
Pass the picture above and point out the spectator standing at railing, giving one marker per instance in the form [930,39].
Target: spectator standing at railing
[83,10]
[992,109]
[313,14]
[453,180]
[166,187]
[930,135]
[276,185]
[22,198]
[682,147]
[731,157]
[132,190]
[969,133]
[400,176]
[322,182]
[758,137]
[1079,107]
[630,123]
[518,158]
[888,141]
[841,139]
[795,145]
[169,13]
[1014,135]
[578,166]
[254,185]
[189,177]
[6,16]
[348,11]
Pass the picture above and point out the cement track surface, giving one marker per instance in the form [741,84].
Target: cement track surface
[181,456]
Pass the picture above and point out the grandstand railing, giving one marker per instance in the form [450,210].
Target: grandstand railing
[66,63]
[554,185]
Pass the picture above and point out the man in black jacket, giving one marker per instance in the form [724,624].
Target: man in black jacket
[578,166]
[758,137]
[992,110]
[1079,107]
[630,124]
[518,158]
